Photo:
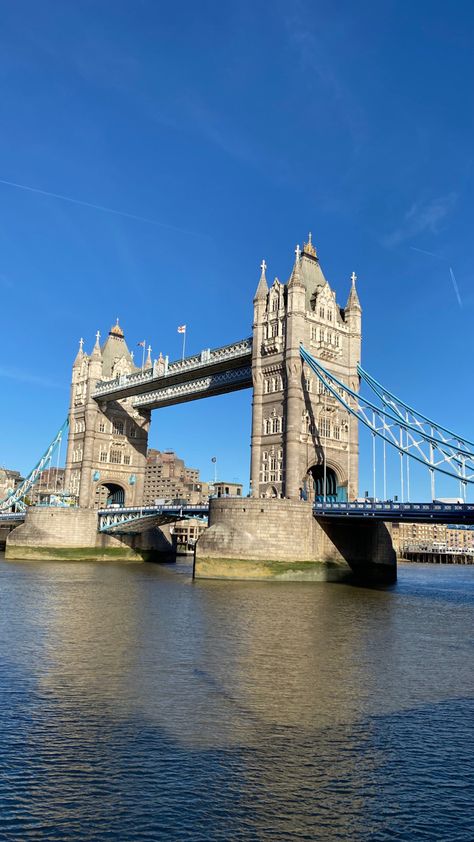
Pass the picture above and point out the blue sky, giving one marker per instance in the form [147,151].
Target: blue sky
[222,133]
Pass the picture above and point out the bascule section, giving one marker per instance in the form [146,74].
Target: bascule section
[304,443]
[107,446]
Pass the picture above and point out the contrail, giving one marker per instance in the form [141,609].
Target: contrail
[423,251]
[102,208]
[456,288]
[453,279]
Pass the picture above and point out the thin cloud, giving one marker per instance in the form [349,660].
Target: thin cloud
[456,288]
[451,271]
[26,377]
[73,200]
[429,253]
[421,217]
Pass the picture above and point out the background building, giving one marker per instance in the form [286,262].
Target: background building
[168,478]
[431,537]
[8,481]
[225,489]
[50,482]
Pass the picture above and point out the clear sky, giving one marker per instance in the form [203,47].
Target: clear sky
[195,139]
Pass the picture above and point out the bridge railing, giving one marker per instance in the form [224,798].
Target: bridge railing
[204,358]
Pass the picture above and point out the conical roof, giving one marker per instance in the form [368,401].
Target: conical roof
[310,271]
[262,288]
[353,302]
[114,348]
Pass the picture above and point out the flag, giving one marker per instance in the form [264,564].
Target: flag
[141,344]
[182,329]
[213,459]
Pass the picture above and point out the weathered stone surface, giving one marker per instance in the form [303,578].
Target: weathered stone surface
[281,539]
[67,534]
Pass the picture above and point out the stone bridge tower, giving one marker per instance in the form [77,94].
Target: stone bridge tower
[304,444]
[107,443]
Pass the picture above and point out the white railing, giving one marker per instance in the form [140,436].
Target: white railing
[205,358]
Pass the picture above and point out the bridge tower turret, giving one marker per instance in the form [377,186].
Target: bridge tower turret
[259,308]
[107,444]
[304,445]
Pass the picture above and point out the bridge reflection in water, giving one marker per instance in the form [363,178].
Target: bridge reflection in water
[144,708]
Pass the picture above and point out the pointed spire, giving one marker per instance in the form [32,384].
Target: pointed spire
[148,362]
[308,247]
[353,302]
[296,279]
[80,352]
[262,288]
[116,330]
[96,350]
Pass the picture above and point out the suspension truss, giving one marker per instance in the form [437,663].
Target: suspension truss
[398,424]
[16,498]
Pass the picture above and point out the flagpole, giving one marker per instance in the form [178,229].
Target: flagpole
[143,355]
[184,344]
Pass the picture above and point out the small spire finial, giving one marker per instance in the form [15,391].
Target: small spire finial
[263,266]
[81,343]
[353,278]
[298,253]
[309,238]
[97,337]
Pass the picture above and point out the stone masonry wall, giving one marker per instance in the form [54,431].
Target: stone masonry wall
[50,533]
[270,533]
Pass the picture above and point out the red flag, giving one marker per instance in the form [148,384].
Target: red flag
[182,329]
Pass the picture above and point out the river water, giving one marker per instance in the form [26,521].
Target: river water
[138,705]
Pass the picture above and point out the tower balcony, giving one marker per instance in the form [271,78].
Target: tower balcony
[327,350]
[273,345]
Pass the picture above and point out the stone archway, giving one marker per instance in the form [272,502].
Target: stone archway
[271,492]
[109,493]
[322,483]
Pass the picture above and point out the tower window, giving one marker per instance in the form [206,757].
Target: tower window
[117,426]
[116,457]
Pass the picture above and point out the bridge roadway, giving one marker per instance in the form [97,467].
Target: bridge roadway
[137,519]
[212,372]
[115,520]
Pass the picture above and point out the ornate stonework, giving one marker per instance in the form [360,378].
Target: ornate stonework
[296,428]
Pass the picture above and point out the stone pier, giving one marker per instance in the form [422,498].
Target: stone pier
[71,535]
[282,540]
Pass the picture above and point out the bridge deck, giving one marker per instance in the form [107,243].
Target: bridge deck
[144,517]
[219,366]
[455,513]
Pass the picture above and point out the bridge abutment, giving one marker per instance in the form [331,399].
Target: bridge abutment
[282,540]
[57,534]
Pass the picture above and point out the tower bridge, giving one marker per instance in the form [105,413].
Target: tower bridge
[302,363]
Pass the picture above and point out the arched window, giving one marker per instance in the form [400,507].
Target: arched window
[324,426]
[117,426]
